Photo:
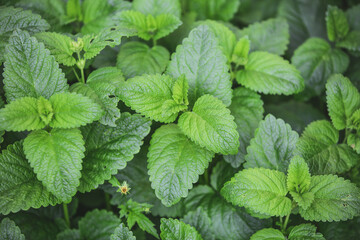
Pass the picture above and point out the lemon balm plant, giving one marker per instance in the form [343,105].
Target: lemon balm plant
[179,119]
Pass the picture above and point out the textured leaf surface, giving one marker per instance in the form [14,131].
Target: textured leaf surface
[122,233]
[259,189]
[201,222]
[30,70]
[268,234]
[247,108]
[73,110]
[303,200]
[59,46]
[318,146]
[180,91]
[241,51]
[136,58]
[298,177]
[108,149]
[9,230]
[317,61]
[343,99]
[21,115]
[173,229]
[98,225]
[157,7]
[214,9]
[271,36]
[270,74]
[305,231]
[202,62]
[146,94]
[273,145]
[211,125]
[351,42]
[336,23]
[19,187]
[335,199]
[16,18]
[174,163]
[56,157]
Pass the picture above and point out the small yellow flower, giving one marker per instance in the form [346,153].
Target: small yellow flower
[124,188]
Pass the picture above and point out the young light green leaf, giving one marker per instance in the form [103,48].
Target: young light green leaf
[19,188]
[270,36]
[60,47]
[109,148]
[122,233]
[353,140]
[304,200]
[157,7]
[351,42]
[201,222]
[171,109]
[56,157]
[241,51]
[94,9]
[136,58]
[202,62]
[147,94]
[335,199]
[40,74]
[268,234]
[73,10]
[174,163]
[16,18]
[317,61]
[305,231]
[273,145]
[180,90]
[165,24]
[101,87]
[98,225]
[173,229]
[9,230]
[343,99]
[298,177]
[336,23]
[318,146]
[73,110]
[211,125]
[247,108]
[21,115]
[259,189]
[214,9]
[270,74]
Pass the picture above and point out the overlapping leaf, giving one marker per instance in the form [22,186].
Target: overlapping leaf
[173,229]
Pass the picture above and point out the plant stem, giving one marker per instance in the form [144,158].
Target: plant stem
[107,202]
[154,42]
[82,75]
[76,75]
[66,214]
[283,228]
[346,135]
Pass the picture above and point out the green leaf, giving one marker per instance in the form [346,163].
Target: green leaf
[353,17]
[69,234]
[241,51]
[73,9]
[40,74]
[180,91]
[268,234]
[351,42]
[16,18]
[146,94]
[335,199]
[221,173]
[201,222]
[228,222]
[157,7]
[9,230]
[56,157]
[202,62]
[73,110]
[101,87]
[173,229]
[214,9]
[270,74]
[19,188]
[353,140]
[273,145]
[247,108]
[269,36]
[298,177]
[336,23]
[98,225]
[343,99]
[136,58]
[318,146]
[60,47]
[317,61]
[94,9]
[165,24]
[211,125]
[122,233]
[21,115]
[109,148]
[304,200]
[305,231]
[175,163]
[259,189]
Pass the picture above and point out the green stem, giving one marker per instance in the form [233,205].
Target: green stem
[82,75]
[346,135]
[107,202]
[76,75]
[284,226]
[154,42]
[66,214]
